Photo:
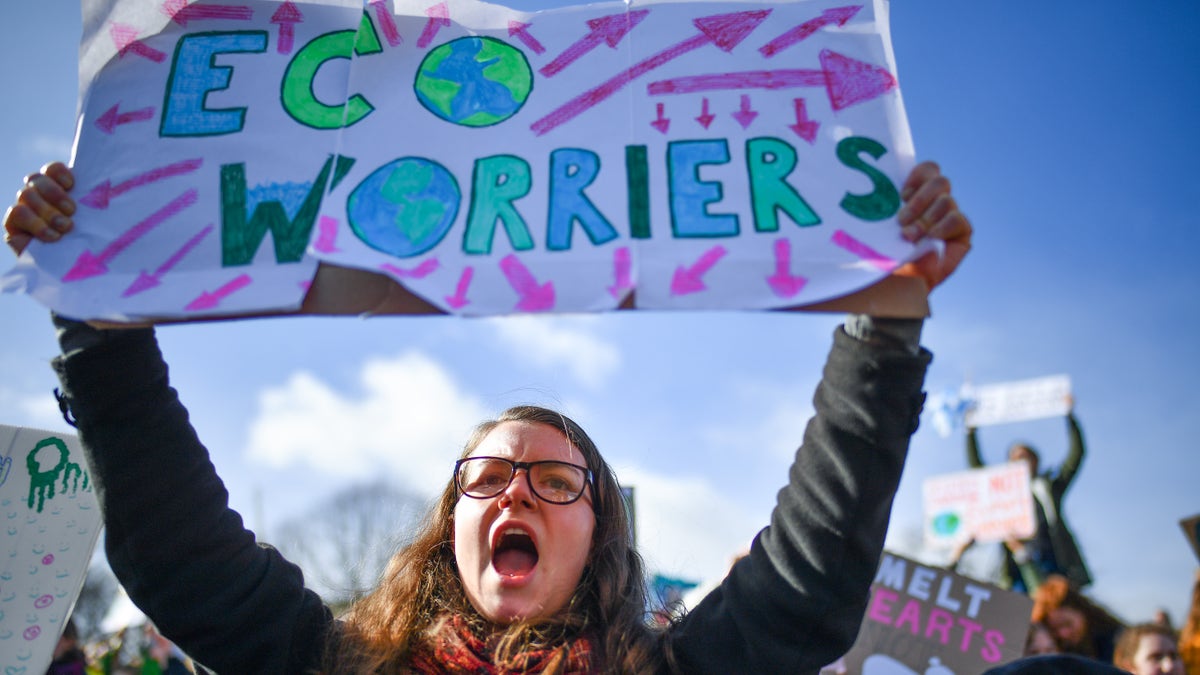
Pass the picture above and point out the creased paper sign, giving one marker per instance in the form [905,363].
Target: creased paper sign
[691,155]
[991,504]
[923,619]
[51,522]
[1017,401]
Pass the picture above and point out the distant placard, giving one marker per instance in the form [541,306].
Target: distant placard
[922,617]
[51,522]
[989,504]
[656,154]
[1017,401]
[1191,530]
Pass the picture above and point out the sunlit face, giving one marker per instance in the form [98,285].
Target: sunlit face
[518,556]
[1041,641]
[1068,625]
[1156,655]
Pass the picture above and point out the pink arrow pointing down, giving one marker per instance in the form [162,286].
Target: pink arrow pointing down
[783,282]
[691,279]
[535,297]
[459,299]
[88,265]
[387,23]
[622,273]
[725,31]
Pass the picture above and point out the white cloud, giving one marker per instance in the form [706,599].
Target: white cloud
[410,421]
[47,148]
[561,343]
[687,526]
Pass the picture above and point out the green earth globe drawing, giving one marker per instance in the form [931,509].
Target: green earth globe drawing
[405,207]
[474,81]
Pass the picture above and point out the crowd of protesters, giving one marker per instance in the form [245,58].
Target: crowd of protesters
[133,650]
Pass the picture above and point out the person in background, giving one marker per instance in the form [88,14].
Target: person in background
[69,658]
[1148,649]
[1189,634]
[1052,549]
[1041,640]
[1079,625]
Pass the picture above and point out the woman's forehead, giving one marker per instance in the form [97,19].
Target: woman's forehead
[528,442]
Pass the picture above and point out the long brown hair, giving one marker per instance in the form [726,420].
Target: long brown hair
[421,587]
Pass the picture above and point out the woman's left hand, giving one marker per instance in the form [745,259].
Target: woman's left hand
[929,211]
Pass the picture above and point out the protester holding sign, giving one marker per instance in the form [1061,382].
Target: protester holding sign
[512,574]
[1052,549]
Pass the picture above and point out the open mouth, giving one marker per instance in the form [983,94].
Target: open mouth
[515,554]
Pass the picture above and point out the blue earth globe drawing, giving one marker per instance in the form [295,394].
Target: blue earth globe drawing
[474,81]
[405,207]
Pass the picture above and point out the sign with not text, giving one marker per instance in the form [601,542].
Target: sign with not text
[51,522]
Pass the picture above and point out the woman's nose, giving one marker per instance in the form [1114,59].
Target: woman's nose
[518,491]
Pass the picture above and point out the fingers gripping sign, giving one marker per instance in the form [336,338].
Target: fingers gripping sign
[43,210]
[930,211]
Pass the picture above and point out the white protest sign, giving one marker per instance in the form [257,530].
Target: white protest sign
[691,155]
[1018,401]
[988,505]
[51,522]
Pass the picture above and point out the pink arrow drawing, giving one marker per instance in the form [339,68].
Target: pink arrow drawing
[387,23]
[181,12]
[146,281]
[804,127]
[439,15]
[861,250]
[725,31]
[287,16]
[846,80]
[783,282]
[622,273]
[88,265]
[705,118]
[125,37]
[744,115]
[459,299]
[327,229]
[521,32]
[113,118]
[606,29]
[662,123]
[208,300]
[421,271]
[535,297]
[102,194]
[835,15]
[691,279]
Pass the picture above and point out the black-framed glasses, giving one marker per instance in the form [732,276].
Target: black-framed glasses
[551,481]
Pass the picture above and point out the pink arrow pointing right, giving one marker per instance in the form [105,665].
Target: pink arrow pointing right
[606,29]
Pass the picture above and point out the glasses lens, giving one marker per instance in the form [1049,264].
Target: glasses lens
[557,481]
[483,476]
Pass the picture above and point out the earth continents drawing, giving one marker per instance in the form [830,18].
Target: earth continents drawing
[474,81]
[406,206]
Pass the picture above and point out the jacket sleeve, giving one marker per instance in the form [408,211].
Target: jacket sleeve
[1075,453]
[796,602]
[974,460]
[181,553]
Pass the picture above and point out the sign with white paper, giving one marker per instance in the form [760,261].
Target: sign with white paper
[688,155]
[988,505]
[51,521]
[1018,401]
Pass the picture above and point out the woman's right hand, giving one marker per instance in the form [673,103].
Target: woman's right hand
[42,210]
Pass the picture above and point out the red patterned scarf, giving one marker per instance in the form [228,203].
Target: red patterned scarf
[455,650]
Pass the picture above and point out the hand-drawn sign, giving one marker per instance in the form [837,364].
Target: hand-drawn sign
[652,154]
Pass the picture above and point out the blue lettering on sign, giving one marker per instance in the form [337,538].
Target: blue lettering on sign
[691,196]
[571,171]
[194,74]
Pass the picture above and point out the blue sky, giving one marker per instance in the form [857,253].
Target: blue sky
[1069,132]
